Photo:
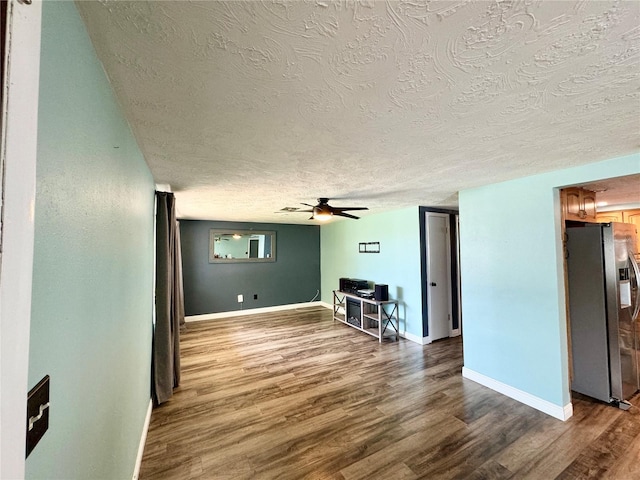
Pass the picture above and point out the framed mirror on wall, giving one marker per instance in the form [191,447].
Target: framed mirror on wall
[231,246]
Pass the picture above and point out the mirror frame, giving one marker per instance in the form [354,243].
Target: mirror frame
[217,232]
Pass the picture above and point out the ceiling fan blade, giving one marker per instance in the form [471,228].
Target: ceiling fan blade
[307,205]
[304,210]
[342,214]
[344,209]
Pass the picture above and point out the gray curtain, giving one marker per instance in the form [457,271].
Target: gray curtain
[169,301]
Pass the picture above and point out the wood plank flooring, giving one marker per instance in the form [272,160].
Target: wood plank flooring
[293,395]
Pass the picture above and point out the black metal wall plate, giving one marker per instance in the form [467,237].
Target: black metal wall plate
[37,413]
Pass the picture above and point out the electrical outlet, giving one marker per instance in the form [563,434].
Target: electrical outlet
[240,298]
[255,296]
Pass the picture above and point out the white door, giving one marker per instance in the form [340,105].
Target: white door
[438,275]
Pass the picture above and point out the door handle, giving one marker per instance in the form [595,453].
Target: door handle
[636,272]
[433,284]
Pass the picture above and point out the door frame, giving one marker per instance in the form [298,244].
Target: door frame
[254,242]
[18,151]
[454,285]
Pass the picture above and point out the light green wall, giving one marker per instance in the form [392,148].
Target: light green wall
[93,265]
[513,302]
[397,264]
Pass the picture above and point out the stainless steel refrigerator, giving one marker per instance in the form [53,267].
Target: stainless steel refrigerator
[603,307]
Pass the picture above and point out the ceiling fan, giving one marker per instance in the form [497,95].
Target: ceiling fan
[323,211]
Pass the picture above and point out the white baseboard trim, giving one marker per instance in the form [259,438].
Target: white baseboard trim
[143,440]
[250,311]
[237,313]
[455,333]
[556,411]
[415,338]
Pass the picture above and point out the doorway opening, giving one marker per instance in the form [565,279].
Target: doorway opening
[597,365]
[439,240]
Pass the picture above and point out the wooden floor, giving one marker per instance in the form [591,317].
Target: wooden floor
[293,395]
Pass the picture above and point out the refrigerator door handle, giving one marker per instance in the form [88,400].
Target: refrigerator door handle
[636,272]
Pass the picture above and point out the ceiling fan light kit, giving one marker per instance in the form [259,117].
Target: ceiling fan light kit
[323,217]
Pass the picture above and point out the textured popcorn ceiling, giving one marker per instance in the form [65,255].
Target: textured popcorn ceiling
[246,107]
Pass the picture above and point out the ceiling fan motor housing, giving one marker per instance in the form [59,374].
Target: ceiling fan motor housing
[322,209]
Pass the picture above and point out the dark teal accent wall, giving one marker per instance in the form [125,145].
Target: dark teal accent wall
[214,287]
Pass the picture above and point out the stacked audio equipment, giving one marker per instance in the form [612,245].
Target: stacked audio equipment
[352,285]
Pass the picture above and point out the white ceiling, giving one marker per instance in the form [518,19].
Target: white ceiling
[246,107]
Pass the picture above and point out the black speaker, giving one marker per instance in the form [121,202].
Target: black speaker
[382,292]
[343,284]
